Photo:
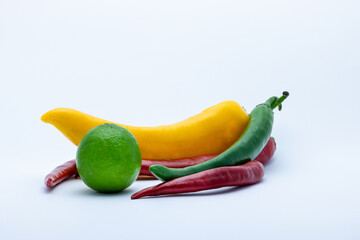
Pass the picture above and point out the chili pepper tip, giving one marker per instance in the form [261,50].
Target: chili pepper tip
[49,183]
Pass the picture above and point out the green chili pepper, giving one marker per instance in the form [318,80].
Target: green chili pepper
[245,149]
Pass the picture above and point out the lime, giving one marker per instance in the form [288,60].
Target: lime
[108,158]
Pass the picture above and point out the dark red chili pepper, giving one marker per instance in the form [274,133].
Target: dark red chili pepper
[61,173]
[68,169]
[246,174]
[249,173]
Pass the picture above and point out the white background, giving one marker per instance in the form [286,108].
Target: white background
[147,63]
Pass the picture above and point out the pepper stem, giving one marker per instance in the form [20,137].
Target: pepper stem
[278,101]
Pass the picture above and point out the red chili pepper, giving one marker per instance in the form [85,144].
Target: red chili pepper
[246,174]
[68,169]
[61,173]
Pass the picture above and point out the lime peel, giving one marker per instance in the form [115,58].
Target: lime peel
[108,158]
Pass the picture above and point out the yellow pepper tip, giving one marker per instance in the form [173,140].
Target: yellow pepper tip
[49,116]
[45,117]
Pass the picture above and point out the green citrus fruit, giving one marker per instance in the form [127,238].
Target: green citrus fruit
[108,158]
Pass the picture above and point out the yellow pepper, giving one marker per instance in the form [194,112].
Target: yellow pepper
[209,132]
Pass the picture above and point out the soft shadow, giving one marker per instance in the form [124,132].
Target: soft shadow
[146,178]
[93,193]
[49,190]
[270,162]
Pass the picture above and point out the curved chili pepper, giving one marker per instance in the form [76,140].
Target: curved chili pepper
[269,149]
[214,179]
[68,169]
[211,131]
[249,173]
[245,149]
[61,173]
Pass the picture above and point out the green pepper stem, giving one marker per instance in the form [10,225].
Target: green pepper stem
[278,101]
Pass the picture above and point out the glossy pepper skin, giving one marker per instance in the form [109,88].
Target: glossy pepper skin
[68,169]
[209,132]
[61,173]
[264,155]
[245,149]
[249,173]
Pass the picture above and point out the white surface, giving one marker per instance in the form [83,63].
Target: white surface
[157,62]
